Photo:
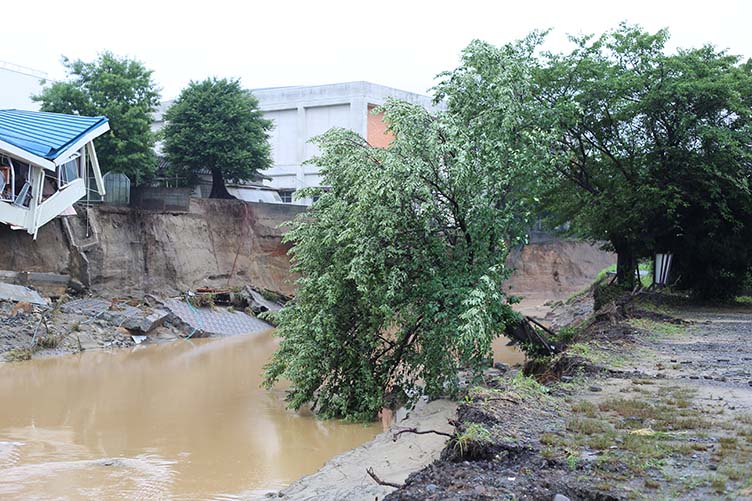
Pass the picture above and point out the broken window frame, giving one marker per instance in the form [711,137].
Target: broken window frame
[6,163]
[63,171]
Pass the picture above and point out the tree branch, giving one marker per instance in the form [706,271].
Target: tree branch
[422,432]
[379,481]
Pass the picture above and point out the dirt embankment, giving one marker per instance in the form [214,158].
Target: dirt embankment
[654,405]
[551,269]
[122,251]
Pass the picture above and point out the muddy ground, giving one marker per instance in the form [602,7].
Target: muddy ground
[656,405]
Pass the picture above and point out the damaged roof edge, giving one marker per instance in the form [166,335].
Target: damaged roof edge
[47,139]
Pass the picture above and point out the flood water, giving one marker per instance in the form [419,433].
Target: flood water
[182,420]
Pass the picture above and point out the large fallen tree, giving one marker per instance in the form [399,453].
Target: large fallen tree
[402,261]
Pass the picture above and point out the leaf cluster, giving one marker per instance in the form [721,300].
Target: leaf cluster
[120,89]
[216,125]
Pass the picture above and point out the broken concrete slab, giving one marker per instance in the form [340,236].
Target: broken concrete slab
[18,293]
[145,322]
[259,303]
[129,317]
[211,322]
[88,307]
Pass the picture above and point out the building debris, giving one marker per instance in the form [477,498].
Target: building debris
[213,322]
[119,314]
[19,293]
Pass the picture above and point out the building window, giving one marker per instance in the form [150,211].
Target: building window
[68,172]
[286,196]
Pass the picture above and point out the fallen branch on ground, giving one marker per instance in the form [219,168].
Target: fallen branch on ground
[379,481]
[423,432]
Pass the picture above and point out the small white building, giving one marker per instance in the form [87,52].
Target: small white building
[301,113]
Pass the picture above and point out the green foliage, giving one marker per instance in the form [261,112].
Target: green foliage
[215,127]
[203,301]
[402,261]
[654,153]
[121,89]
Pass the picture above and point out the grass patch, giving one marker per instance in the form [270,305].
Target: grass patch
[654,327]
[48,342]
[588,426]
[718,484]
[528,386]
[597,355]
[746,300]
[585,407]
[18,354]
[474,434]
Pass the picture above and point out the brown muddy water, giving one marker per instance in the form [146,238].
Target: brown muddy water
[183,420]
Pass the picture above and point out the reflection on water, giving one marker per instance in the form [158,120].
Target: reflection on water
[184,420]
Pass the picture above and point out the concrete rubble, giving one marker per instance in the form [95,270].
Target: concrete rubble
[19,293]
[126,316]
[211,322]
[30,323]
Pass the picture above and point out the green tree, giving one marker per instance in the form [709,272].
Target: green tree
[215,126]
[120,89]
[653,152]
[402,261]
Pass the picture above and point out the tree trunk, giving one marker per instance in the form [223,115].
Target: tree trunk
[219,190]
[625,265]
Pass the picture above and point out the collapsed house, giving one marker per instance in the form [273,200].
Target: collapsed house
[47,162]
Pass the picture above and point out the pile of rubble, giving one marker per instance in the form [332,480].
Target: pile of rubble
[32,325]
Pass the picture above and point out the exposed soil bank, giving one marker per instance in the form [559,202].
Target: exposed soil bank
[119,251]
[122,251]
[652,406]
[345,477]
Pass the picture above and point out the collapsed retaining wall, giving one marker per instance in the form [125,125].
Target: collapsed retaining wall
[125,251]
[119,251]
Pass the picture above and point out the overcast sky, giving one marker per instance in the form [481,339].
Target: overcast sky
[402,44]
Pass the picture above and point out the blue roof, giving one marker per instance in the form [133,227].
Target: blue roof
[43,134]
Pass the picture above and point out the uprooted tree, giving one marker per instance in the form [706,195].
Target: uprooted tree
[215,127]
[402,261]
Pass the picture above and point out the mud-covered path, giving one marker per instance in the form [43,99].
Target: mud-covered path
[715,349]
[669,416]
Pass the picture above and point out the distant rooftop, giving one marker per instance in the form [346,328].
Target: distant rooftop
[275,97]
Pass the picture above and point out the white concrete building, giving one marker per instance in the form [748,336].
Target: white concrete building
[301,113]
[18,84]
